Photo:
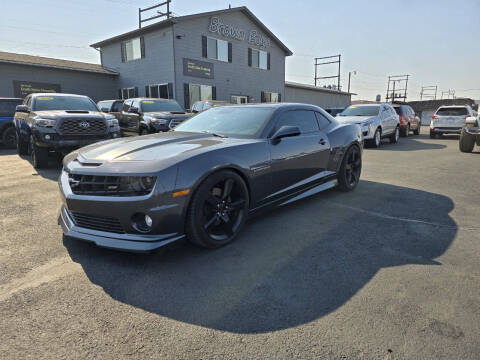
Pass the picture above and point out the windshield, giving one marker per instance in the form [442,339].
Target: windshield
[230,121]
[160,106]
[361,111]
[81,103]
[459,111]
[105,104]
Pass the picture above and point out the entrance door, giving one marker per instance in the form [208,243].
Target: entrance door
[239,99]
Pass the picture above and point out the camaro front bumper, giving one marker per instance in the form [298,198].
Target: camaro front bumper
[94,225]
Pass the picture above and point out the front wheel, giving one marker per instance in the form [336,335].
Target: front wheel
[218,210]
[22,145]
[350,170]
[377,139]
[143,131]
[395,136]
[467,142]
[9,137]
[39,155]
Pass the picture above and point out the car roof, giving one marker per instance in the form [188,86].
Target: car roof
[10,99]
[111,100]
[454,106]
[57,94]
[147,98]
[363,105]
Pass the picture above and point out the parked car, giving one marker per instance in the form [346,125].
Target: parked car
[61,123]
[199,106]
[470,134]
[376,120]
[7,129]
[408,120]
[202,179]
[141,116]
[110,106]
[449,120]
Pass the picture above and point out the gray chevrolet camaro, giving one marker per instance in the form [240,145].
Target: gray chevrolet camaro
[205,177]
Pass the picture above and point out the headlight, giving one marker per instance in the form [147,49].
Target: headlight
[367,123]
[112,122]
[45,122]
[159,121]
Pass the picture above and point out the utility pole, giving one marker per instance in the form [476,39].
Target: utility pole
[429,92]
[402,92]
[167,14]
[317,63]
[349,78]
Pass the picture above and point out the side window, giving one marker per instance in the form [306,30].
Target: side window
[126,105]
[117,106]
[135,104]
[28,101]
[323,122]
[304,119]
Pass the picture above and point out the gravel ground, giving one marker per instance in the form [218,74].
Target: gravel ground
[389,271]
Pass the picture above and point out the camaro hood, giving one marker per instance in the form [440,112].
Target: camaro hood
[353,119]
[147,153]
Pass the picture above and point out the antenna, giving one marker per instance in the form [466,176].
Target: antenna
[317,64]
[167,14]
[397,91]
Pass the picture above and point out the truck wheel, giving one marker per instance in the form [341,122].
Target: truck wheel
[22,145]
[39,155]
[9,137]
[143,131]
[467,142]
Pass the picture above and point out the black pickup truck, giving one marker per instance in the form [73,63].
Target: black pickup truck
[141,116]
[61,123]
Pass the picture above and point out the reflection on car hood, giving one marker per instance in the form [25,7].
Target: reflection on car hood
[353,119]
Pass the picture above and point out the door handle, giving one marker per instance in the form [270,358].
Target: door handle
[322,142]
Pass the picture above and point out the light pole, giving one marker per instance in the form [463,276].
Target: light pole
[349,78]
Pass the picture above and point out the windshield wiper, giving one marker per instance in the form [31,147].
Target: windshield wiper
[214,134]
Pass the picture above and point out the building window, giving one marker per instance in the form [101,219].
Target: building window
[259,59]
[271,97]
[164,91]
[128,93]
[239,99]
[197,92]
[133,49]
[217,49]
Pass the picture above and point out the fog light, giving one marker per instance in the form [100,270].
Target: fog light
[148,221]
[47,137]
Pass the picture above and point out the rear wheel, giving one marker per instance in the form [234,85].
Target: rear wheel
[22,145]
[467,142]
[218,210]
[9,137]
[417,130]
[395,136]
[406,132]
[350,170]
[433,136]
[39,155]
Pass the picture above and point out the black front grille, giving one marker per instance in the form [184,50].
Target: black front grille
[99,223]
[81,126]
[111,185]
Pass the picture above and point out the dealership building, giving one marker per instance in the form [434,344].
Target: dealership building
[221,55]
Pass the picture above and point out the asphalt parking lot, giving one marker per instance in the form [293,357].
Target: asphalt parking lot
[389,271]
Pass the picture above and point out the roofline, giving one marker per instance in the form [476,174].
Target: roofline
[171,21]
[316,88]
[110,72]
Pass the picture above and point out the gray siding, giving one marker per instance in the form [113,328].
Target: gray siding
[235,78]
[95,85]
[155,68]
[315,97]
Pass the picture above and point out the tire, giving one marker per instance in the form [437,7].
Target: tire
[376,142]
[350,170]
[39,155]
[395,136]
[9,137]
[218,210]
[467,142]
[143,131]
[22,145]
[433,136]
[417,130]
[406,132]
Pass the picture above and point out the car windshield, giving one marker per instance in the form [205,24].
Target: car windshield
[361,111]
[458,111]
[49,102]
[245,121]
[160,106]
[7,107]
[105,104]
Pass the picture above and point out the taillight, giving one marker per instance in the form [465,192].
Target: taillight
[434,117]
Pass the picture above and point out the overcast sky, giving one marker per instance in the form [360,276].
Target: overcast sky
[434,41]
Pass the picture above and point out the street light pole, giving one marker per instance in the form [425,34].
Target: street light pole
[350,77]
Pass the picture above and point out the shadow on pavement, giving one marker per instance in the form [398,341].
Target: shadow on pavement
[411,143]
[287,268]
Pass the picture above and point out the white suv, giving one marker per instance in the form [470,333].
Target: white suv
[449,119]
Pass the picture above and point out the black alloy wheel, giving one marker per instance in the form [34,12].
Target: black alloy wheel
[349,175]
[39,155]
[218,210]
[9,137]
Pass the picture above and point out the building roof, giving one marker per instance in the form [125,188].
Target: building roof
[173,20]
[22,59]
[316,88]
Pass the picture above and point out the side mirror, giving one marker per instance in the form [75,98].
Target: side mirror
[22,108]
[194,111]
[471,120]
[133,109]
[285,131]
[105,110]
